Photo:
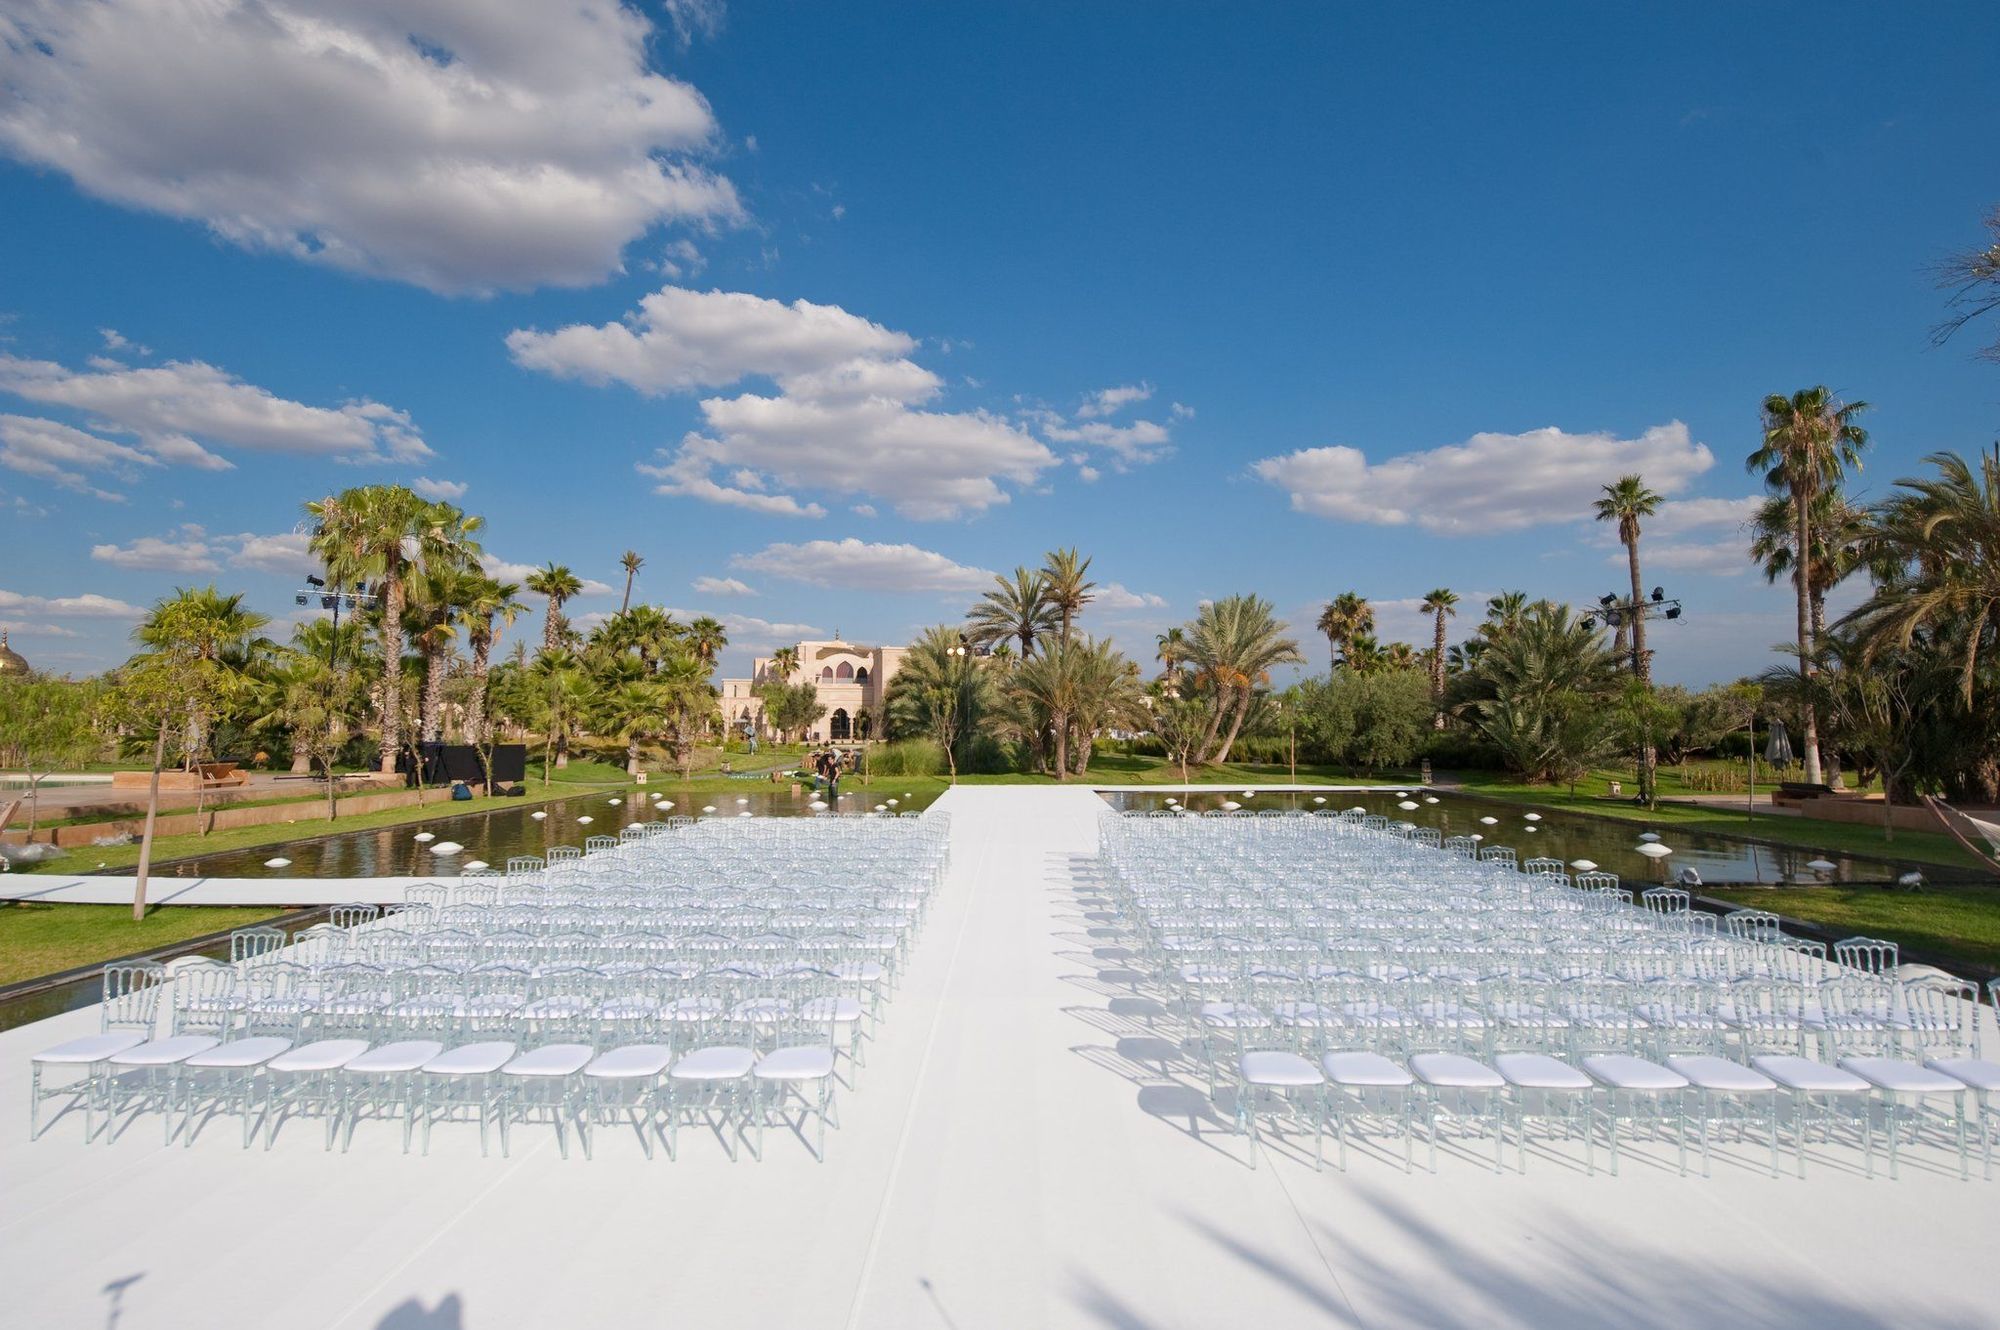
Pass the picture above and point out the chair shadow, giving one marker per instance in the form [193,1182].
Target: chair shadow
[449,1314]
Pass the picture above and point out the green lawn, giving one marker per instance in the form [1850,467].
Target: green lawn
[1947,926]
[38,939]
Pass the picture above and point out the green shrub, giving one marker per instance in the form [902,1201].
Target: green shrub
[907,757]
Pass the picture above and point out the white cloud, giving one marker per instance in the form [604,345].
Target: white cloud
[1110,401]
[680,340]
[500,568]
[188,550]
[1182,411]
[286,553]
[1113,596]
[450,491]
[723,586]
[748,632]
[179,410]
[864,510]
[462,147]
[90,605]
[23,628]
[1140,442]
[681,259]
[846,420]
[61,453]
[1721,558]
[1679,516]
[857,565]
[1490,483]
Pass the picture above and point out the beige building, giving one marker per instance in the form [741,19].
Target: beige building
[852,682]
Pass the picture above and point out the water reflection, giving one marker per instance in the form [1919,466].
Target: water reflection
[1608,843]
[491,837]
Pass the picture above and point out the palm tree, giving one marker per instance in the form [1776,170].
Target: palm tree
[1810,440]
[941,691]
[1068,589]
[206,628]
[489,605]
[1973,278]
[1400,656]
[784,661]
[632,563]
[1543,693]
[1840,533]
[706,637]
[559,584]
[1171,649]
[437,596]
[1625,501]
[1018,607]
[1504,613]
[1440,604]
[1939,542]
[373,533]
[1342,619]
[1236,642]
[1362,654]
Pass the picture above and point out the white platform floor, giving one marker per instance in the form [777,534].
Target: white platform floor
[1013,1159]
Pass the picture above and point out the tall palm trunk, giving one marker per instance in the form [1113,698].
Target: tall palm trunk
[152,819]
[1802,536]
[475,706]
[1642,668]
[392,669]
[1222,702]
[432,728]
[1059,724]
[1235,724]
[1437,673]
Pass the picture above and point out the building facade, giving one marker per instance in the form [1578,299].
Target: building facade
[852,682]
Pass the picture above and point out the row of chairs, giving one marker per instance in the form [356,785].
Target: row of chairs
[1349,969]
[437,1024]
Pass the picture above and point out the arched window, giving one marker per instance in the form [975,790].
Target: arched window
[846,671]
[861,675]
[837,726]
[827,673]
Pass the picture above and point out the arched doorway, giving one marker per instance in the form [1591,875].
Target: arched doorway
[837,725]
[862,725]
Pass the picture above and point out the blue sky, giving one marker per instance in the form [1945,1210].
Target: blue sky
[885,298]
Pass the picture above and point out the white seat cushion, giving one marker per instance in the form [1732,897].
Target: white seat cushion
[91,1048]
[550,1060]
[1797,1073]
[1274,1067]
[165,1052]
[320,1055]
[838,1010]
[1622,1071]
[1364,1069]
[403,1055]
[805,1063]
[1705,1071]
[1454,1071]
[1902,1077]
[721,1063]
[1233,1016]
[479,1059]
[252,1052]
[1975,1072]
[1539,1071]
[860,972]
[632,1062]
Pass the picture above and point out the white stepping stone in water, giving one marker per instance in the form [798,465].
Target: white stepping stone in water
[1649,835]
[472,865]
[446,847]
[616,802]
[881,808]
[277,863]
[1533,817]
[742,801]
[1430,798]
[708,808]
[1652,849]
[585,819]
[666,804]
[1821,865]
[635,826]
[1407,805]
[423,836]
[1319,798]
[1489,821]
[1230,805]
[1583,865]
[817,806]
[538,815]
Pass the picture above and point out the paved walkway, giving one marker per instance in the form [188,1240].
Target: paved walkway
[1015,1158]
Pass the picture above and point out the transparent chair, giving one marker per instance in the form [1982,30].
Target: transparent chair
[126,1017]
[796,1069]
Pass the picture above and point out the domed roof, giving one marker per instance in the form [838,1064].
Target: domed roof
[11,661]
